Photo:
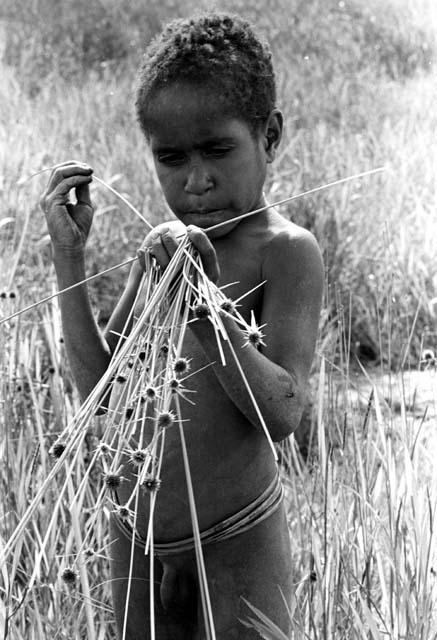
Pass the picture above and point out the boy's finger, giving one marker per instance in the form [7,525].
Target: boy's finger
[65,171]
[154,246]
[160,253]
[207,252]
[83,194]
[169,242]
[62,190]
[60,194]
[141,253]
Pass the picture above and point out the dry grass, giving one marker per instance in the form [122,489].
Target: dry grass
[362,509]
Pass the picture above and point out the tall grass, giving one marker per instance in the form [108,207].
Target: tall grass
[361,512]
[362,507]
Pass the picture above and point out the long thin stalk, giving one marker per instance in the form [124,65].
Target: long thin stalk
[297,195]
[73,286]
[212,228]
[203,582]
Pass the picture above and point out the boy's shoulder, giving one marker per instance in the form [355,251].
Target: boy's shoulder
[288,244]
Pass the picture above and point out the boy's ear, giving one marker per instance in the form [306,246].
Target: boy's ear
[273,133]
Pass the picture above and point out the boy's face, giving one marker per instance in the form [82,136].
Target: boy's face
[210,165]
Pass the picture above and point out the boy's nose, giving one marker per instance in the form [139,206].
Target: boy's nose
[198,180]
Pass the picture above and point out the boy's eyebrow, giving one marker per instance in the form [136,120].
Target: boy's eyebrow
[205,143]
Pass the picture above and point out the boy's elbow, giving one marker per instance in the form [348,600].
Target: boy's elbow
[285,429]
[287,420]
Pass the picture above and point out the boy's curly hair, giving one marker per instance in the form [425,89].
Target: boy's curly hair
[219,51]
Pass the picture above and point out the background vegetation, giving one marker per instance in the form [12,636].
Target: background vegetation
[357,86]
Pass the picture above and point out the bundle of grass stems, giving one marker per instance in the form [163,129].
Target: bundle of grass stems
[146,378]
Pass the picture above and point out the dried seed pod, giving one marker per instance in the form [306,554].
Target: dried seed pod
[164,349]
[112,480]
[166,419]
[228,305]
[69,575]
[57,448]
[104,450]
[255,337]
[151,483]
[150,393]
[201,311]
[139,456]
[181,365]
[174,384]
[124,513]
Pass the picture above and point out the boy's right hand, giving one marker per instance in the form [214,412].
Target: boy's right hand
[68,224]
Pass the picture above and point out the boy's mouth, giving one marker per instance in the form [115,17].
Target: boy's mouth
[204,217]
[202,212]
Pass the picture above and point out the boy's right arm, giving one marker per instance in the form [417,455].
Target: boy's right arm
[69,225]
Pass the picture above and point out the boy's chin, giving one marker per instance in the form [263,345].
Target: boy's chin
[205,221]
[221,231]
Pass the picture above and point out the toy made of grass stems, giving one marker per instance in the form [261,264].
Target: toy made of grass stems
[72,438]
[140,363]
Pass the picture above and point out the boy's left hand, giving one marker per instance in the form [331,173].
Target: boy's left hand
[162,243]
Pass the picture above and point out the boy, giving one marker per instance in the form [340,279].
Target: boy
[206,103]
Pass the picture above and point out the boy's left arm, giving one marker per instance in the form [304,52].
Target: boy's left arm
[277,373]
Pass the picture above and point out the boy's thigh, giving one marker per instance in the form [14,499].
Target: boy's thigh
[255,566]
[172,623]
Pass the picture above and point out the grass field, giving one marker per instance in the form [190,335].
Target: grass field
[357,85]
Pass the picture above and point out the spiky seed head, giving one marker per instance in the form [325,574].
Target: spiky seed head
[151,483]
[150,393]
[228,305]
[57,448]
[104,450]
[112,480]
[181,365]
[139,456]
[69,575]
[166,419]
[174,384]
[428,355]
[255,337]
[123,513]
[121,379]
[201,311]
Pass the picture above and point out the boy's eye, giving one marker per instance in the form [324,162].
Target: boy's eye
[216,152]
[171,158]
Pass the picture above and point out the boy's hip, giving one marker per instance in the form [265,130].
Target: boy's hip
[255,513]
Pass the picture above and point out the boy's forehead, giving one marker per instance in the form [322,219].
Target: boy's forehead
[184,111]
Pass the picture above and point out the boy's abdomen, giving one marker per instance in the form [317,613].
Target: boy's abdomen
[230,461]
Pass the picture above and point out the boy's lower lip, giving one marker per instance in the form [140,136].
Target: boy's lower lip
[203,212]
[205,218]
